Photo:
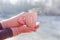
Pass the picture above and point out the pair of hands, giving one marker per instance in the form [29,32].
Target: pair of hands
[23,22]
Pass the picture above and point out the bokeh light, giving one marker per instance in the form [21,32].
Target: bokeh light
[13,1]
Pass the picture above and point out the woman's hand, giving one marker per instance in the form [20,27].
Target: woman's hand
[25,18]
[24,29]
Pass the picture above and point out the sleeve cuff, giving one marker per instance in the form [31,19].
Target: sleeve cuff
[1,26]
[6,33]
[9,32]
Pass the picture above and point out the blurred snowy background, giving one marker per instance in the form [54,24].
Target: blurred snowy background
[48,16]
